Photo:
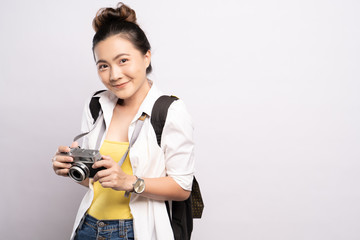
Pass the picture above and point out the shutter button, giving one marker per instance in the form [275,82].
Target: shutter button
[101,224]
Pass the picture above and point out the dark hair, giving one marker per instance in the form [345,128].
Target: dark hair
[120,20]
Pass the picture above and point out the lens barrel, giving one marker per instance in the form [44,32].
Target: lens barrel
[79,172]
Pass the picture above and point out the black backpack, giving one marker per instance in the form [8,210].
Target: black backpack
[183,212]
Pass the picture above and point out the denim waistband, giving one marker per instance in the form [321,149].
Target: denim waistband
[108,224]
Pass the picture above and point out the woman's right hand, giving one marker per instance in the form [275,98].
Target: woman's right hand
[61,163]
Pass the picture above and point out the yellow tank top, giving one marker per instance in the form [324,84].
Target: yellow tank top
[109,204]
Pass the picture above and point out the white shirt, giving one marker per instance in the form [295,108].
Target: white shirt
[175,158]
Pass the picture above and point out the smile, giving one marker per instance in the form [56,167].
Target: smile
[120,85]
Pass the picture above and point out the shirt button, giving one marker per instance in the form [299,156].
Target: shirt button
[101,224]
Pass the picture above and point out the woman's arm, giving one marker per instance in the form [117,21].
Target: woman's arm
[162,188]
[178,146]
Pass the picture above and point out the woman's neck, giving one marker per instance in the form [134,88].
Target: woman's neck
[134,102]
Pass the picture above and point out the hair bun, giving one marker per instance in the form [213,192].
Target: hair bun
[106,15]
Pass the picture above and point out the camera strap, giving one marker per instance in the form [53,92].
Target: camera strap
[86,133]
[138,126]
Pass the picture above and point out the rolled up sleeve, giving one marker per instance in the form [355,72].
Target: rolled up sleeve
[178,144]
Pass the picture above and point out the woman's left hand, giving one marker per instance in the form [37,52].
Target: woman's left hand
[113,176]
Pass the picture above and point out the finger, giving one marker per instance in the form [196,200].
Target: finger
[105,162]
[74,145]
[102,174]
[63,149]
[106,157]
[107,182]
[62,172]
[107,185]
[60,165]
[63,159]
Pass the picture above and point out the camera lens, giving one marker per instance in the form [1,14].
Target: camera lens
[79,172]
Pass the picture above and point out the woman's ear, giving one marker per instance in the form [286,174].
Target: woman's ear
[147,58]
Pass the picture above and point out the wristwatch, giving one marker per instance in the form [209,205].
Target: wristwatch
[138,187]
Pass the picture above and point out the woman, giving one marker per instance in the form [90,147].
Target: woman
[123,59]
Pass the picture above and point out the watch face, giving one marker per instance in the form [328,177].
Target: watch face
[139,186]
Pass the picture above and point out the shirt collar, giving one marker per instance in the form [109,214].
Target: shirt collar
[148,103]
[108,100]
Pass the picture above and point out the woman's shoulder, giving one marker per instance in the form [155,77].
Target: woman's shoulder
[178,113]
[178,106]
[96,101]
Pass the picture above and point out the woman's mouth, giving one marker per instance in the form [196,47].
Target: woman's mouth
[121,85]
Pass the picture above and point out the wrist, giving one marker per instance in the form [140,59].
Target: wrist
[130,183]
[130,186]
[138,187]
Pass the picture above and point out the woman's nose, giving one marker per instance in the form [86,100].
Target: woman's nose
[116,73]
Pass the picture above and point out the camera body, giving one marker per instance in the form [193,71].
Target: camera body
[82,165]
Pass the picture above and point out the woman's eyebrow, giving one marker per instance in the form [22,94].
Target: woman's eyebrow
[120,55]
[100,61]
[116,57]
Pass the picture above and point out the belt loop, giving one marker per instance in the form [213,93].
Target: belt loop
[122,227]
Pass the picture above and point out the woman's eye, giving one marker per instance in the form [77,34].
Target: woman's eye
[102,67]
[123,61]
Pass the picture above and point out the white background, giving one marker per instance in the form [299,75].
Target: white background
[273,88]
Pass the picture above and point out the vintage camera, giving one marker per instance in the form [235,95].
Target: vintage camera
[82,165]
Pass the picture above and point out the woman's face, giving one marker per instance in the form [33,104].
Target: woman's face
[122,67]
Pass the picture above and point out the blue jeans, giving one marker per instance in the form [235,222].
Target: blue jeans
[105,229]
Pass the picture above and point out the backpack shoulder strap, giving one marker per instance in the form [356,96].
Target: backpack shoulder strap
[95,109]
[159,114]
[181,211]
[95,106]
